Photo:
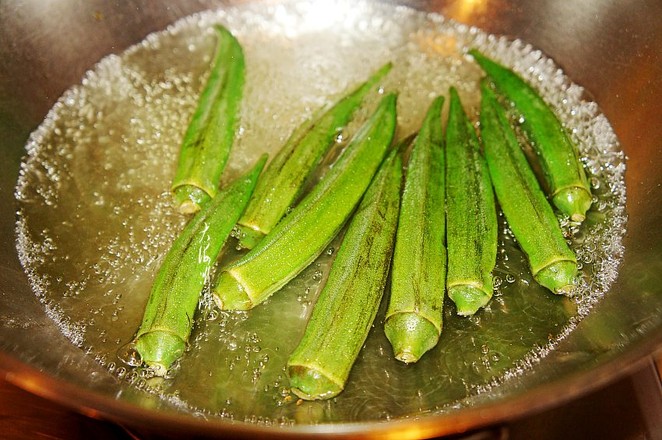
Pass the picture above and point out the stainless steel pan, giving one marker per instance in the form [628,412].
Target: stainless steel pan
[612,48]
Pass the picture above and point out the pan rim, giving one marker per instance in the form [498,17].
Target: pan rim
[548,395]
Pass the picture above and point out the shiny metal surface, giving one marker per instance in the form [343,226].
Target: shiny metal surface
[612,48]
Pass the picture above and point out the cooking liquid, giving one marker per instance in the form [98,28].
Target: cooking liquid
[96,217]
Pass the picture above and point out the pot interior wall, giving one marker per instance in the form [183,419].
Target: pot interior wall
[611,49]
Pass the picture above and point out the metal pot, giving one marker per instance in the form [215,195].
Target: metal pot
[611,48]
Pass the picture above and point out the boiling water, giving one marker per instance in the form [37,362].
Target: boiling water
[96,218]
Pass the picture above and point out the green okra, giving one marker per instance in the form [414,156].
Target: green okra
[209,137]
[471,222]
[286,174]
[414,316]
[527,211]
[346,308]
[168,318]
[559,159]
[303,234]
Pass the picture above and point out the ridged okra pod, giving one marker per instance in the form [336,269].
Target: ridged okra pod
[346,308]
[304,233]
[168,318]
[286,174]
[528,213]
[209,137]
[559,159]
[471,222]
[414,316]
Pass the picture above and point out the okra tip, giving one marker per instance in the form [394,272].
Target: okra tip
[229,293]
[382,71]
[454,96]
[159,350]
[476,54]
[560,277]
[410,335]
[468,299]
[220,29]
[310,383]
[488,65]
[574,201]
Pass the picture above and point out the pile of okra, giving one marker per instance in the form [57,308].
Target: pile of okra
[432,230]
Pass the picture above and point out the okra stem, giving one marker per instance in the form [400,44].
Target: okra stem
[471,222]
[414,317]
[208,139]
[346,308]
[288,171]
[528,213]
[559,158]
[303,234]
[168,318]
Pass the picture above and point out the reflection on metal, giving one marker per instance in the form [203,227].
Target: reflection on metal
[465,10]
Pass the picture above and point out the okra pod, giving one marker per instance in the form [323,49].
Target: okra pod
[346,308]
[208,139]
[471,222]
[414,316]
[286,174]
[528,213]
[559,159]
[303,234]
[168,318]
